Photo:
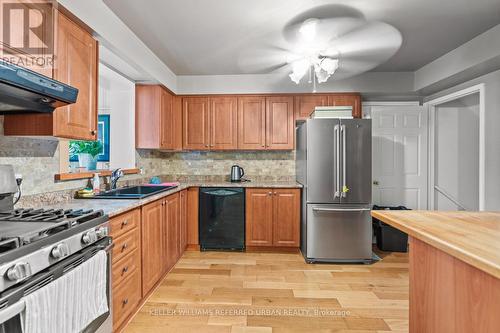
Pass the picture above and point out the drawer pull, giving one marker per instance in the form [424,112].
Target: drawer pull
[124,246]
[125,301]
[124,223]
[124,270]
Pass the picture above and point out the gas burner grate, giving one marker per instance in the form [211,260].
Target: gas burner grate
[74,216]
[8,244]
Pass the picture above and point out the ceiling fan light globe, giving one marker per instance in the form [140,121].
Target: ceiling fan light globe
[295,78]
[330,65]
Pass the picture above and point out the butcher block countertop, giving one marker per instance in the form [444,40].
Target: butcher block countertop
[473,237]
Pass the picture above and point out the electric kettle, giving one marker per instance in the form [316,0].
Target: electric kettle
[237,173]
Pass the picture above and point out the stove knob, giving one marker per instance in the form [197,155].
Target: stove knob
[89,237]
[60,251]
[19,271]
[101,232]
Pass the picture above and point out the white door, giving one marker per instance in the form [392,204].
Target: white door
[400,137]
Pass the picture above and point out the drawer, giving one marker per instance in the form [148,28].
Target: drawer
[125,222]
[125,244]
[126,298]
[126,267]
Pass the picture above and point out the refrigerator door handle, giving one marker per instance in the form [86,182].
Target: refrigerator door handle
[344,185]
[337,167]
[341,209]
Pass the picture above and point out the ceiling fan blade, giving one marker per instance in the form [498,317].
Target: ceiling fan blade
[376,40]
[263,60]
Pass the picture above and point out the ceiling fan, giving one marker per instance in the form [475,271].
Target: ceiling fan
[321,48]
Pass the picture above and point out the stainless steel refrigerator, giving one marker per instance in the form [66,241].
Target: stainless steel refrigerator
[334,164]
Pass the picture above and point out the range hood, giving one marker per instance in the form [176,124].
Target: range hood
[25,91]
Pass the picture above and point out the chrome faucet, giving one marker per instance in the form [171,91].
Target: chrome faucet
[115,175]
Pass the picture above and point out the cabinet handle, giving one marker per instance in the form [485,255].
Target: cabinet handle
[93,132]
[124,246]
[125,301]
[124,223]
[125,270]
[270,193]
[206,145]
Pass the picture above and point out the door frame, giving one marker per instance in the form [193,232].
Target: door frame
[432,105]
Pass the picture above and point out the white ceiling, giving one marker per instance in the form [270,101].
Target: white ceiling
[209,37]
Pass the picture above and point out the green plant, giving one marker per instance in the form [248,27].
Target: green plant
[93,148]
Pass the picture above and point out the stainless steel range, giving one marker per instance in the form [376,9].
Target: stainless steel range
[37,246]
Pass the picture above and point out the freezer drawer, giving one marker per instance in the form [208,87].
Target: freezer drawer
[338,233]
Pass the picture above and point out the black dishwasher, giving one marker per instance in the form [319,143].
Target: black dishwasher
[222,218]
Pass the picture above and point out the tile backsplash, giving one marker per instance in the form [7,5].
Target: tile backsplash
[37,159]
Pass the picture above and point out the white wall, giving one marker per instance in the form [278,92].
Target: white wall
[492,133]
[118,100]
[457,152]
[371,82]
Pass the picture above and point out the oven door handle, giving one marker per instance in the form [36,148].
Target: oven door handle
[12,311]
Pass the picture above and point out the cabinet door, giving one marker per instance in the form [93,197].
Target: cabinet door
[171,223]
[76,64]
[152,245]
[305,104]
[259,216]
[195,117]
[353,100]
[279,124]
[223,123]
[286,212]
[183,221]
[192,215]
[252,123]
[147,116]
[166,120]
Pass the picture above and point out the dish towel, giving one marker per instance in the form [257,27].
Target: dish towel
[70,303]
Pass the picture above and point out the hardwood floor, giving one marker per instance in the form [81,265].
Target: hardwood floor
[269,292]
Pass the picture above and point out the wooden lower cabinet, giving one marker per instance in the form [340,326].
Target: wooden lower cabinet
[259,217]
[183,221]
[171,231]
[152,244]
[126,275]
[286,217]
[272,217]
[192,216]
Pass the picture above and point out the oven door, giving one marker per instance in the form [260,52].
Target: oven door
[12,302]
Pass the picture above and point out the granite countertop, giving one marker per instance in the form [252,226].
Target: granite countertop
[472,237]
[113,207]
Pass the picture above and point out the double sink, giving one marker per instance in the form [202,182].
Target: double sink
[133,192]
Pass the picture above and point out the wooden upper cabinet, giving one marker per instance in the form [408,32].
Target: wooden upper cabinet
[259,217]
[252,123]
[76,59]
[305,104]
[347,99]
[280,127]
[76,62]
[195,119]
[158,118]
[223,123]
[286,219]
[152,244]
